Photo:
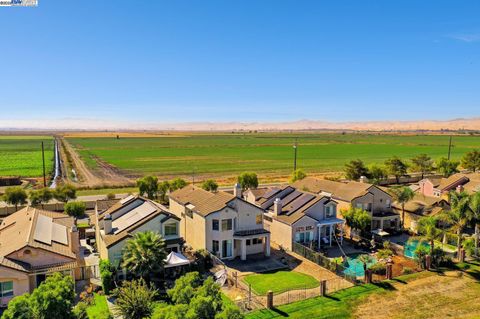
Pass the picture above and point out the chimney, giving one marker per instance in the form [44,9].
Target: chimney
[107,224]
[75,240]
[363,179]
[277,207]
[459,188]
[237,190]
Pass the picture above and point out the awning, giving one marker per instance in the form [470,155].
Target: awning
[176,259]
[380,232]
[330,221]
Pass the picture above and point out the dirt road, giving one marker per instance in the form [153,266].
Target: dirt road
[104,175]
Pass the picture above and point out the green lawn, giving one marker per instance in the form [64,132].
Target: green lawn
[264,153]
[22,155]
[337,305]
[99,310]
[280,281]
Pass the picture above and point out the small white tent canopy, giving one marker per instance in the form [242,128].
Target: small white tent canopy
[380,232]
[176,259]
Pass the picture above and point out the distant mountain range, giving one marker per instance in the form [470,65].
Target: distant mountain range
[101,125]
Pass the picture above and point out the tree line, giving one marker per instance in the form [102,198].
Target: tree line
[422,163]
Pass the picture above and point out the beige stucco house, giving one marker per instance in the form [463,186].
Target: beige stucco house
[297,216]
[440,187]
[362,195]
[115,224]
[223,223]
[33,244]
[419,207]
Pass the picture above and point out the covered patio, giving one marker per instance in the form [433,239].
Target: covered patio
[326,228]
[249,242]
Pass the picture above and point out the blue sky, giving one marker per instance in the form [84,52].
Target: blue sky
[268,60]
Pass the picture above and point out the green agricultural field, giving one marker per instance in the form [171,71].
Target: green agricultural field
[22,155]
[268,154]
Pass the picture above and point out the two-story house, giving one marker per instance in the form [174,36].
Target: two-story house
[440,187]
[33,244]
[223,223]
[369,197]
[293,215]
[116,224]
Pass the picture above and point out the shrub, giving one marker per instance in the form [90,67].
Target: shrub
[107,275]
[110,196]
[379,268]
[407,271]
[210,185]
[80,311]
[75,209]
[135,300]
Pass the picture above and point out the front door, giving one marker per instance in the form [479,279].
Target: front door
[227,248]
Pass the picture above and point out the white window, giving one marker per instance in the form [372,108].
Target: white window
[171,229]
[6,289]
[329,211]
[226,224]
[359,205]
[388,203]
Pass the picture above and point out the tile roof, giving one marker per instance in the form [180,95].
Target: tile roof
[204,202]
[455,178]
[18,231]
[421,204]
[339,190]
[129,223]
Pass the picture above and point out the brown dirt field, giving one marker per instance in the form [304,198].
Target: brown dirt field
[124,134]
[448,295]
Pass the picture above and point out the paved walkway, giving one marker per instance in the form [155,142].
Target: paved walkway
[111,307]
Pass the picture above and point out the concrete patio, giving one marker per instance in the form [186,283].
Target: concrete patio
[255,264]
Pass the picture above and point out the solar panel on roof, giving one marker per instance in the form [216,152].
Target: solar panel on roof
[133,216]
[59,234]
[302,200]
[271,192]
[126,199]
[43,229]
[290,197]
[281,194]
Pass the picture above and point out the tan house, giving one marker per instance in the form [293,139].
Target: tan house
[440,187]
[223,223]
[296,216]
[362,195]
[419,207]
[117,223]
[33,244]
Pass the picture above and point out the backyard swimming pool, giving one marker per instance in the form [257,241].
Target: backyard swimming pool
[410,246]
[354,266]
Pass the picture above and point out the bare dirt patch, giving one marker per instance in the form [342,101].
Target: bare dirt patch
[448,295]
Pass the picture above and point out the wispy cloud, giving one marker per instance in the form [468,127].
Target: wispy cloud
[465,37]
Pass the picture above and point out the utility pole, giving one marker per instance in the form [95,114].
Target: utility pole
[449,147]
[193,177]
[295,155]
[43,161]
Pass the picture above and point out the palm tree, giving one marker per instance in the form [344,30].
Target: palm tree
[427,227]
[458,216]
[144,254]
[475,207]
[402,195]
